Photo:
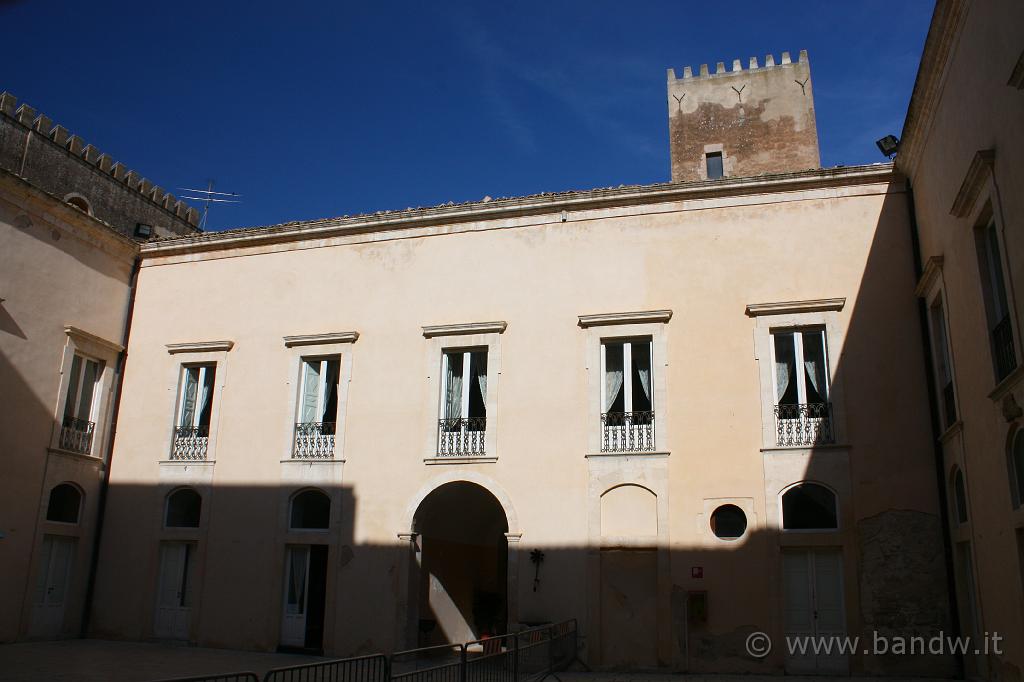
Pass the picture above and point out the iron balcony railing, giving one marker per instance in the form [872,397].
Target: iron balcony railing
[314,440]
[76,435]
[461,437]
[627,431]
[804,424]
[1002,348]
[190,443]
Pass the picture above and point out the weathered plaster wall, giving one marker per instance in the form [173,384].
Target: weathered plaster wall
[761,119]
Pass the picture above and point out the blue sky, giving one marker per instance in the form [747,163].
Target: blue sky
[313,110]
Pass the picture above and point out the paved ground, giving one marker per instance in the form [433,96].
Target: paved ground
[93,660]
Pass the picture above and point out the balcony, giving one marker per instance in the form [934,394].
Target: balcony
[190,443]
[76,435]
[627,431]
[804,424]
[461,437]
[1002,349]
[314,440]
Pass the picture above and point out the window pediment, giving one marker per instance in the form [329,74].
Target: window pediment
[790,307]
[639,317]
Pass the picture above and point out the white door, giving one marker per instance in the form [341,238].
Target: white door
[174,600]
[814,611]
[296,597]
[55,557]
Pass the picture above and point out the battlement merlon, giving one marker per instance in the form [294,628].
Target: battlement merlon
[90,155]
[737,66]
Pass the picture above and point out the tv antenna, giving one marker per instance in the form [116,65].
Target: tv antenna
[209,197]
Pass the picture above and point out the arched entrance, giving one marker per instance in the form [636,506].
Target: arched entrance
[462,583]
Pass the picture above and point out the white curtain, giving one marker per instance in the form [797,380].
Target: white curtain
[188,407]
[310,390]
[813,368]
[297,586]
[330,391]
[453,401]
[612,375]
[207,395]
[642,361]
[781,379]
[480,360]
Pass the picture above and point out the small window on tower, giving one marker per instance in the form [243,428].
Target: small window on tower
[714,164]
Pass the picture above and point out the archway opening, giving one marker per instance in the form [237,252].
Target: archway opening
[463,577]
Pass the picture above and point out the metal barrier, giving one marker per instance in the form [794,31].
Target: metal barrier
[360,669]
[443,663]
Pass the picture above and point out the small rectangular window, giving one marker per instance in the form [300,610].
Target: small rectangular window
[997,310]
[714,165]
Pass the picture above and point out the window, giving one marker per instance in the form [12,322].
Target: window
[184,508]
[728,522]
[143,231]
[959,497]
[803,412]
[463,421]
[316,425]
[79,202]
[943,363]
[714,165]
[1015,462]
[990,264]
[81,405]
[627,405]
[65,504]
[195,406]
[809,506]
[310,510]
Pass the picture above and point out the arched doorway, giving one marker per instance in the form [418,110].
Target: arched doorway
[462,586]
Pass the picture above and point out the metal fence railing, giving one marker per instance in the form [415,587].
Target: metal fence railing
[524,656]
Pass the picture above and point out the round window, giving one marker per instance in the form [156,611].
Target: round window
[728,522]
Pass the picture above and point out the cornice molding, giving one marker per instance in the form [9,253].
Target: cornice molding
[496,327]
[640,317]
[82,336]
[200,347]
[320,339]
[787,307]
[977,173]
[946,23]
[500,209]
[932,271]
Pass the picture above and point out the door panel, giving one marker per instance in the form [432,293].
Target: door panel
[814,608]
[629,624]
[293,623]
[51,587]
[174,600]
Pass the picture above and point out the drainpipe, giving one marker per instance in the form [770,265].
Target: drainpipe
[111,434]
[933,411]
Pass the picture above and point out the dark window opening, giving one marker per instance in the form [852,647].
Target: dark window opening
[960,497]
[311,510]
[728,522]
[809,507]
[65,504]
[183,509]
[714,165]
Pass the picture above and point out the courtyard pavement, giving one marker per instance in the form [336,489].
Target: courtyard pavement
[94,660]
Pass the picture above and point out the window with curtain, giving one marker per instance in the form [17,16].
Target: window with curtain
[801,367]
[626,370]
[82,384]
[997,310]
[195,404]
[464,389]
[959,497]
[942,362]
[319,392]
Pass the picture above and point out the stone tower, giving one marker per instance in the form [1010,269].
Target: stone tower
[742,122]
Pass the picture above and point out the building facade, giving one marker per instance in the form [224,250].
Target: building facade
[961,149]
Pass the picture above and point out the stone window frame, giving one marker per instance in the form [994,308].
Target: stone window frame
[793,316]
[444,337]
[195,353]
[803,531]
[339,344]
[92,347]
[627,326]
[931,289]
[727,161]
[745,504]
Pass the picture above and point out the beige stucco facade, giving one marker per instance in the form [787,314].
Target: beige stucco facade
[962,149]
[705,274]
[66,285]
